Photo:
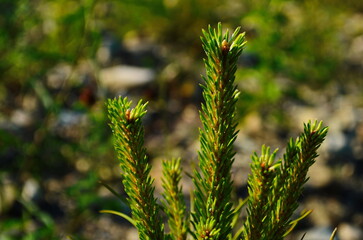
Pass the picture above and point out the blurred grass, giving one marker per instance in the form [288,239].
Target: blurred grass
[290,44]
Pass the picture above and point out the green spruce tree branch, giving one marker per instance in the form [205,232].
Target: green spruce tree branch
[174,203]
[291,177]
[213,209]
[260,183]
[129,140]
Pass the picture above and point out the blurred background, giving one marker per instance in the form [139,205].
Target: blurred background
[61,59]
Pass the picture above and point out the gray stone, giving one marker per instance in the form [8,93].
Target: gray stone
[121,77]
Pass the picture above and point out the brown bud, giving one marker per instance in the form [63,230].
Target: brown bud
[263,164]
[225,47]
[127,114]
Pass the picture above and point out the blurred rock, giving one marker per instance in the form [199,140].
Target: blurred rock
[82,164]
[355,53]
[132,234]
[319,233]
[31,190]
[349,232]
[320,175]
[57,76]
[71,124]
[336,140]
[326,211]
[104,54]
[344,116]
[253,124]
[121,77]
[107,228]
[21,118]
[30,103]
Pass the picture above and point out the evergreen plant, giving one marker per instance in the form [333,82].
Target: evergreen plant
[274,185]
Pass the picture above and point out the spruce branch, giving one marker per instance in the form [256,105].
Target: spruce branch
[129,140]
[213,210]
[274,188]
[291,176]
[260,183]
[174,203]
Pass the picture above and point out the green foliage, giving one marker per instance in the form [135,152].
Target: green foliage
[273,186]
[291,176]
[213,208]
[12,229]
[174,205]
[292,43]
[260,183]
[129,139]
[43,33]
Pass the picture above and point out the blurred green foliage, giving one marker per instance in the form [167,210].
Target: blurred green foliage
[290,44]
[36,35]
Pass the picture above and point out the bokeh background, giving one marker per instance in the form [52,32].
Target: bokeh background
[61,59]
